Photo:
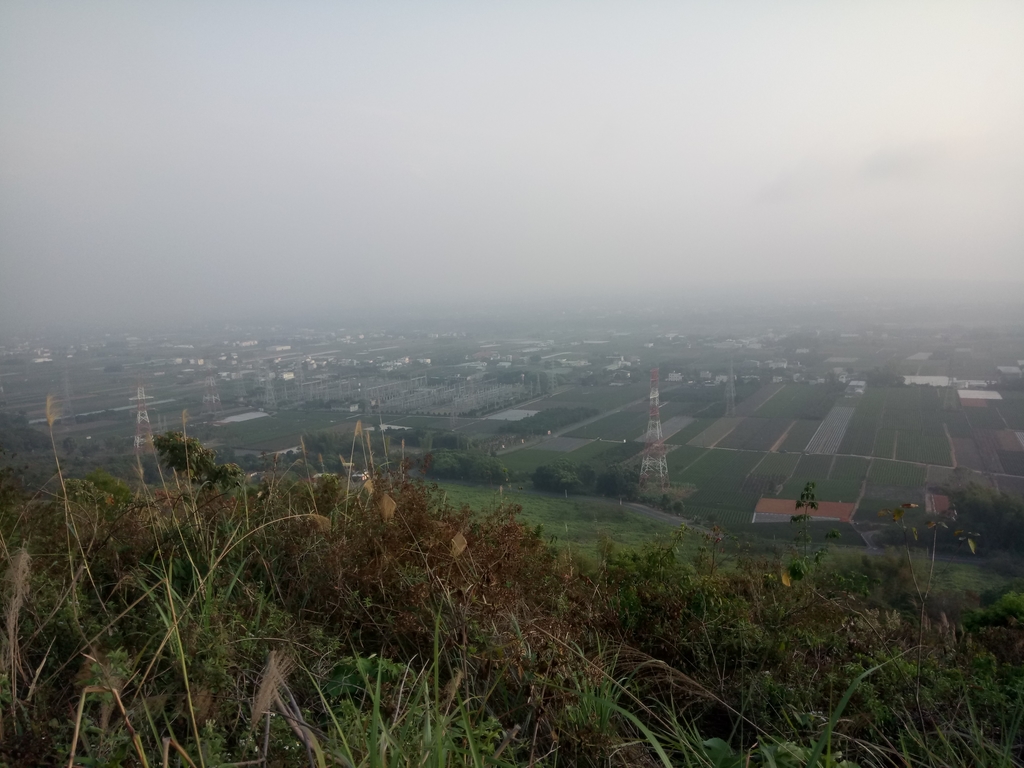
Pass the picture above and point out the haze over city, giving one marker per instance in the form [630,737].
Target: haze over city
[197,160]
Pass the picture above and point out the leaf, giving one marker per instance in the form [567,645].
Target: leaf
[908,505]
[914,531]
[368,487]
[458,544]
[972,545]
[897,514]
[958,532]
[785,578]
[931,524]
[387,507]
[883,512]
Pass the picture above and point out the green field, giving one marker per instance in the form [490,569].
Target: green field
[281,430]
[624,425]
[896,473]
[602,398]
[578,524]
[776,464]
[800,433]
[799,401]
[691,430]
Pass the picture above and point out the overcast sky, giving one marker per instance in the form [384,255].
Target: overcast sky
[188,157]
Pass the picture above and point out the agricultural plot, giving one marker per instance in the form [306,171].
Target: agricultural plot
[681,457]
[687,433]
[1012,461]
[602,398]
[673,425]
[800,433]
[799,401]
[280,430]
[885,444]
[824,490]
[967,454]
[813,467]
[776,465]
[718,495]
[713,434]
[1012,412]
[748,406]
[617,426]
[592,451]
[830,434]
[849,468]
[562,444]
[924,448]
[730,518]
[987,441]
[956,424]
[985,418]
[896,473]
[718,467]
[756,434]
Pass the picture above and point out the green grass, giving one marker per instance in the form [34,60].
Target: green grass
[578,524]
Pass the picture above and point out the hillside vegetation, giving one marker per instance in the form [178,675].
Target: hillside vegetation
[202,621]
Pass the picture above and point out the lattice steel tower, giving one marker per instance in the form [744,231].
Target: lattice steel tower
[143,429]
[654,467]
[730,393]
[211,398]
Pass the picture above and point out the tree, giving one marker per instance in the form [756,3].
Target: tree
[564,476]
[188,457]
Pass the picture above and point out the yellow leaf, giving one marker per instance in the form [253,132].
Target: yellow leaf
[458,544]
[785,578]
[915,533]
[931,523]
[387,507]
[368,487]
[958,532]
[897,514]
[972,545]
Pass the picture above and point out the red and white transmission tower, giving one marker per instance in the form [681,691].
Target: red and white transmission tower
[143,429]
[654,467]
[211,398]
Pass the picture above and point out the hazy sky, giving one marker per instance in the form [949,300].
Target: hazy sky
[185,157]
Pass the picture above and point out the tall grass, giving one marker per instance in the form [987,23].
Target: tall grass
[320,622]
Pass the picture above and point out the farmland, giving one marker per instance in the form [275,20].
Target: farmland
[799,401]
[830,434]
[896,473]
[800,433]
[756,434]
